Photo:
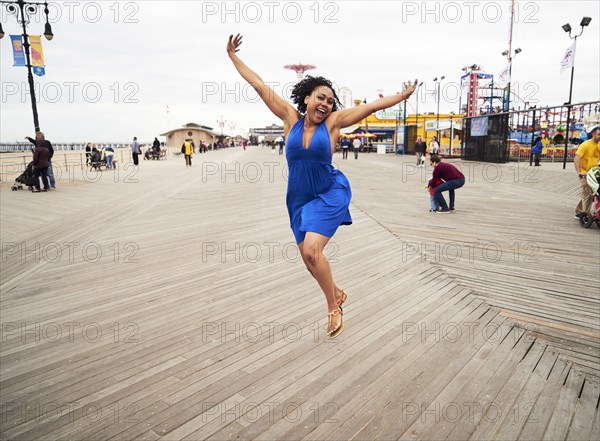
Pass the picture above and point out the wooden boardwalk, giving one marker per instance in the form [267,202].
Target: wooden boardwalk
[169,303]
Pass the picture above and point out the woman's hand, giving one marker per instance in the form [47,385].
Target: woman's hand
[233,44]
[408,92]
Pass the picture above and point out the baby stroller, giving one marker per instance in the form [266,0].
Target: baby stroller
[26,178]
[593,180]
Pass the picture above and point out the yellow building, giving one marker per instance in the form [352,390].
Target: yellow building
[384,123]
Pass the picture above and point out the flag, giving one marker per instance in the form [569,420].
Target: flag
[503,77]
[37,54]
[568,59]
[18,53]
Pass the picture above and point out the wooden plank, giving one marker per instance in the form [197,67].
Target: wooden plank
[559,424]
[504,405]
[580,427]
[546,402]
[385,385]
[444,413]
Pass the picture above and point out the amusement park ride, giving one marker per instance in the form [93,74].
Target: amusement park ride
[484,97]
[299,69]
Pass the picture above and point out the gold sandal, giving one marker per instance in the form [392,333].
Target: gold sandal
[340,328]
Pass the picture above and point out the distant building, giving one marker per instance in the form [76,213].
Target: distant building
[269,133]
[193,131]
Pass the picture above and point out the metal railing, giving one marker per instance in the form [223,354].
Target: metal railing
[509,136]
[12,165]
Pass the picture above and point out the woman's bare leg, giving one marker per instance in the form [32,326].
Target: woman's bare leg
[312,253]
[339,295]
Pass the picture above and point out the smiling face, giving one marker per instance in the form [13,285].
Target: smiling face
[319,104]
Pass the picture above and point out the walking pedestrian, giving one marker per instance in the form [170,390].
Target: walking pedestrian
[356,144]
[135,151]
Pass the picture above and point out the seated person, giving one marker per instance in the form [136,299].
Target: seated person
[96,155]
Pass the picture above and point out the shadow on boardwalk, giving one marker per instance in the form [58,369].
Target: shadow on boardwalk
[170,303]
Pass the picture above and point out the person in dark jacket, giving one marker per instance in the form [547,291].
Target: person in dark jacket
[88,153]
[156,148]
[536,150]
[452,179]
[40,139]
[41,159]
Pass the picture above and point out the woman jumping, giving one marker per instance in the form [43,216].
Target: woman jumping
[318,196]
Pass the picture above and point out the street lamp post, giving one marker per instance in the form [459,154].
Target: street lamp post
[23,10]
[437,124]
[366,118]
[221,122]
[585,21]
[405,137]
[510,57]
[396,131]
[417,108]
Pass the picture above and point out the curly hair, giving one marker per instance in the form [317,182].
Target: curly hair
[306,86]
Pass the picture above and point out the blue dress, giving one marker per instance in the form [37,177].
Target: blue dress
[318,195]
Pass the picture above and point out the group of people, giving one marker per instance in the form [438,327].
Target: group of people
[421,149]
[356,145]
[94,155]
[188,148]
[154,152]
[136,150]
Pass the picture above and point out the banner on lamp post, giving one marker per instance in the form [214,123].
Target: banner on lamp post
[37,54]
[18,52]
[503,78]
[568,58]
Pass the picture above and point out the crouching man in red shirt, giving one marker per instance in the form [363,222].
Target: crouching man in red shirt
[450,177]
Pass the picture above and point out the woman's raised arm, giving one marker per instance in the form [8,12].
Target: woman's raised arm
[274,102]
[348,117]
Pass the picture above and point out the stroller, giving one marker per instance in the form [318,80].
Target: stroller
[26,178]
[593,180]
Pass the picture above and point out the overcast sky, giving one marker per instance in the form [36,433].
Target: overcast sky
[114,67]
